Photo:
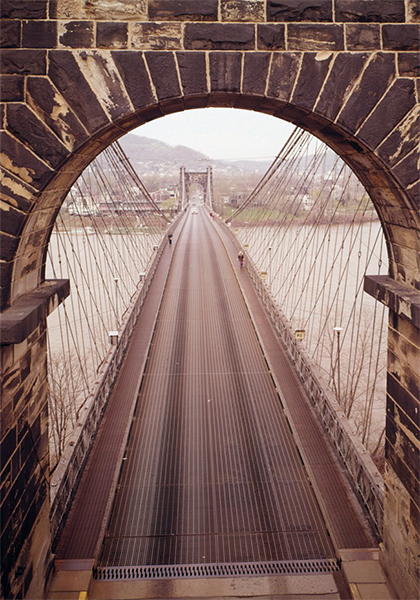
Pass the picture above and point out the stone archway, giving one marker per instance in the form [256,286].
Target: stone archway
[77,75]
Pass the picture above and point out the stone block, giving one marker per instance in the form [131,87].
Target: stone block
[409,64]
[399,438]
[284,69]
[133,72]
[55,111]
[192,70]
[403,140]
[256,66]
[271,36]
[157,36]
[315,37]
[12,88]
[66,74]
[119,10]
[23,62]
[76,34]
[407,172]
[305,10]
[111,35]
[219,36]
[311,77]
[22,9]
[26,126]
[370,11]
[39,34]
[391,109]
[164,74]
[402,470]
[342,76]
[242,10]
[413,11]
[11,219]
[183,10]
[10,34]
[225,71]
[362,36]
[401,37]
[374,82]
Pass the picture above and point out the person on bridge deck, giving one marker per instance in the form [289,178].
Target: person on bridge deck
[170,238]
[241,258]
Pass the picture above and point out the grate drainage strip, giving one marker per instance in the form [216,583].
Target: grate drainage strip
[286,567]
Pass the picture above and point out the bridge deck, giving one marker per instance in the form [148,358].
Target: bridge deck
[211,472]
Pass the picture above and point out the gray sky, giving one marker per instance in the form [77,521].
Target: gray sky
[221,133]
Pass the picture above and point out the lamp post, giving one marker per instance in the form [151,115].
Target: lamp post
[338,330]
[116,302]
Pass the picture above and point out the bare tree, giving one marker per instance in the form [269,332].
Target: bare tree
[66,391]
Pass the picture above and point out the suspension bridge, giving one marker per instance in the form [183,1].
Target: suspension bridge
[217,455]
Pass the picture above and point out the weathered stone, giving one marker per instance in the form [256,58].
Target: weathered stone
[315,37]
[12,88]
[10,34]
[396,103]
[15,155]
[225,71]
[401,37]
[362,37]
[30,130]
[413,11]
[76,34]
[13,219]
[311,78]
[134,75]
[22,9]
[409,64]
[183,10]
[15,193]
[407,173]
[217,36]
[372,11]
[68,78]
[271,36]
[242,10]
[65,9]
[23,62]
[374,82]
[119,10]
[39,34]
[164,74]
[102,74]
[284,68]
[157,36]
[256,65]
[111,35]
[403,140]
[344,72]
[303,10]
[45,100]
[192,70]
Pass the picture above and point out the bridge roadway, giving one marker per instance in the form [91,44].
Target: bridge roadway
[211,472]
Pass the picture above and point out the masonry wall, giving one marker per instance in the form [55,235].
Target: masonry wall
[77,74]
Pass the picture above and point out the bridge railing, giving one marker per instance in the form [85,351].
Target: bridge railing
[364,475]
[72,462]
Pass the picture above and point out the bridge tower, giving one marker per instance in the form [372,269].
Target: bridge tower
[77,75]
[201,178]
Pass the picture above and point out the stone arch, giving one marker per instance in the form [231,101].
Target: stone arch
[91,98]
[77,75]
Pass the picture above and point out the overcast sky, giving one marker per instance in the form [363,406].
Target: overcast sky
[221,133]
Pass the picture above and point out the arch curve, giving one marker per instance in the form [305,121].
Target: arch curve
[91,98]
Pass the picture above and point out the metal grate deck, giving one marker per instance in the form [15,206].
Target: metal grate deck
[262,569]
